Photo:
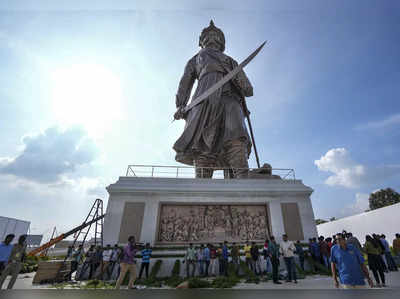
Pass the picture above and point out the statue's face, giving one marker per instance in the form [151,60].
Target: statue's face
[212,40]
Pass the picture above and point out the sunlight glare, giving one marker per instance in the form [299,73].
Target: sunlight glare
[88,95]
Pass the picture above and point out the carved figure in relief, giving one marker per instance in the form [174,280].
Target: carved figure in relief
[200,223]
[163,231]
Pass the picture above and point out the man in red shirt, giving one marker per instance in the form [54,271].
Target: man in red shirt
[213,260]
[329,242]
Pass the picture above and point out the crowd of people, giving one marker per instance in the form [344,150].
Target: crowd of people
[347,256]
[113,263]
[97,262]
[110,263]
[211,260]
[342,254]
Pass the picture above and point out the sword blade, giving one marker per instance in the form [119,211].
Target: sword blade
[224,80]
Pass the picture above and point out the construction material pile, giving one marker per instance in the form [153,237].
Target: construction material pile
[52,271]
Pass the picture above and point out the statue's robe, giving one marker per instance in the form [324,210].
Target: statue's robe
[220,118]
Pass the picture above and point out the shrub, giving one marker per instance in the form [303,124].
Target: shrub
[176,270]
[232,270]
[249,275]
[155,269]
[300,273]
[321,269]
[152,281]
[30,264]
[175,279]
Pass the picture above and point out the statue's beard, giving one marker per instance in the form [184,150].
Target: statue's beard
[212,43]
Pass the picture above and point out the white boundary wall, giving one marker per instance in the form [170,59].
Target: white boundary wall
[380,221]
[13,226]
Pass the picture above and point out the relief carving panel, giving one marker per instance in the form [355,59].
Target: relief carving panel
[212,223]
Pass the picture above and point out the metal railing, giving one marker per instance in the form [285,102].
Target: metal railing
[161,171]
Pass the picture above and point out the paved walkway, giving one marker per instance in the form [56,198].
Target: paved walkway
[315,282]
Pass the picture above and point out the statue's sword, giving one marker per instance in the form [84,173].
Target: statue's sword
[221,82]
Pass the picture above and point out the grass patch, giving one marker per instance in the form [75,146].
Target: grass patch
[174,281]
[197,283]
[97,284]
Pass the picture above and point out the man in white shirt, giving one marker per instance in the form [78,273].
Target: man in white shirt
[106,260]
[390,263]
[287,250]
[114,261]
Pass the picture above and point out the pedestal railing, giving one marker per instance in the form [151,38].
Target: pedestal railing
[161,171]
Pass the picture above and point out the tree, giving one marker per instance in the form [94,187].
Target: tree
[332,219]
[320,221]
[383,198]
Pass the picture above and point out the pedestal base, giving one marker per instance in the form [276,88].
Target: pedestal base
[173,211]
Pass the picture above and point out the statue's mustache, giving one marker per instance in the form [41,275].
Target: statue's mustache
[209,40]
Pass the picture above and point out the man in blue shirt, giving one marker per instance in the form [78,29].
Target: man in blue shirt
[391,264]
[200,259]
[225,255]
[316,250]
[146,254]
[5,251]
[350,264]
[207,257]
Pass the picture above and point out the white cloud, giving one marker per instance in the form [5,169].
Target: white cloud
[91,186]
[47,156]
[380,124]
[359,205]
[85,186]
[49,175]
[348,173]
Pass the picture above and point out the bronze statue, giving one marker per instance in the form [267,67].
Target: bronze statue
[215,134]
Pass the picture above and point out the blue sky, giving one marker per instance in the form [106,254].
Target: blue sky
[87,88]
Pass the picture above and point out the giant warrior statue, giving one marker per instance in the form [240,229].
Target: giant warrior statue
[215,134]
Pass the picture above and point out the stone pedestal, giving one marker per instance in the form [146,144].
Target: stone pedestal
[173,211]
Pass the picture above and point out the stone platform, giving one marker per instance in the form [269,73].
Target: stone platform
[175,211]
